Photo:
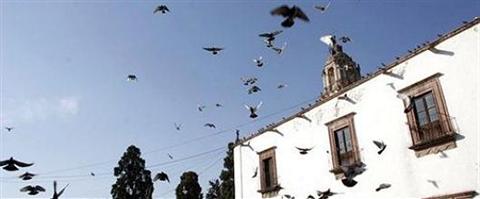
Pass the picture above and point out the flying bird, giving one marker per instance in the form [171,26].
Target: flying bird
[249,81]
[289,14]
[218,105]
[170,156]
[383,186]
[132,78]
[201,107]
[310,197]
[214,50]
[92,174]
[55,194]
[325,194]
[443,154]
[348,174]
[255,173]
[270,37]
[288,196]
[9,129]
[253,89]
[280,86]
[27,176]
[247,145]
[280,50]
[322,8]
[162,176]
[11,164]
[381,146]
[345,39]
[32,190]
[161,8]
[253,110]
[303,151]
[209,125]
[434,183]
[178,126]
[259,61]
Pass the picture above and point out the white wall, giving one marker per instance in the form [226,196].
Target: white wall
[379,116]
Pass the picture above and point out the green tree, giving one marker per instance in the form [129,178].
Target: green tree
[133,180]
[188,188]
[214,190]
[226,189]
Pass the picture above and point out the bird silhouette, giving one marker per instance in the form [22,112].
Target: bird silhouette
[325,194]
[247,145]
[55,194]
[162,176]
[170,156]
[210,125]
[253,110]
[178,126]
[27,176]
[289,14]
[280,86]
[32,190]
[218,105]
[11,164]
[443,154]
[254,89]
[303,151]
[214,50]
[9,129]
[348,174]
[383,186]
[259,61]
[280,50]
[92,174]
[201,107]
[255,173]
[288,196]
[249,81]
[310,197]
[270,37]
[434,183]
[132,78]
[381,146]
[345,39]
[322,8]
[161,8]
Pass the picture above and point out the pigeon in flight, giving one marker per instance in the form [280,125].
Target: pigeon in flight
[55,194]
[161,8]
[288,196]
[132,78]
[270,37]
[280,86]
[381,146]
[259,61]
[345,39]
[383,186]
[322,8]
[280,50]
[9,129]
[170,156]
[349,174]
[310,197]
[162,177]
[11,164]
[255,173]
[92,174]
[218,105]
[303,151]
[254,89]
[253,110]
[289,14]
[27,176]
[32,190]
[325,194]
[247,145]
[201,107]
[434,183]
[210,125]
[214,50]
[249,81]
[178,126]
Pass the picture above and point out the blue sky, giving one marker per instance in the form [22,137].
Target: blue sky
[64,66]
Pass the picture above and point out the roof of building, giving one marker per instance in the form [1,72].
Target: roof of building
[323,99]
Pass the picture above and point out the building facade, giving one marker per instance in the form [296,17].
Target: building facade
[423,107]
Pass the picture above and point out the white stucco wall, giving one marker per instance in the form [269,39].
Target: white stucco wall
[379,116]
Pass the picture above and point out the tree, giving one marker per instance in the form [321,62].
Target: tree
[133,180]
[188,188]
[226,189]
[214,190]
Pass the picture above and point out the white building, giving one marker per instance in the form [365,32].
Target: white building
[432,146]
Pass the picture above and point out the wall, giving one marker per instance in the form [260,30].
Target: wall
[379,116]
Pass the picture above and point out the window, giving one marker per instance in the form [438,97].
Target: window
[268,171]
[343,143]
[428,118]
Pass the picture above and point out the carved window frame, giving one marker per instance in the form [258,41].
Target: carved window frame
[338,124]
[274,186]
[427,85]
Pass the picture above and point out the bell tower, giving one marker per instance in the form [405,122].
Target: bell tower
[339,70]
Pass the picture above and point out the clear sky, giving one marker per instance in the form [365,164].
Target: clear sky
[64,66]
